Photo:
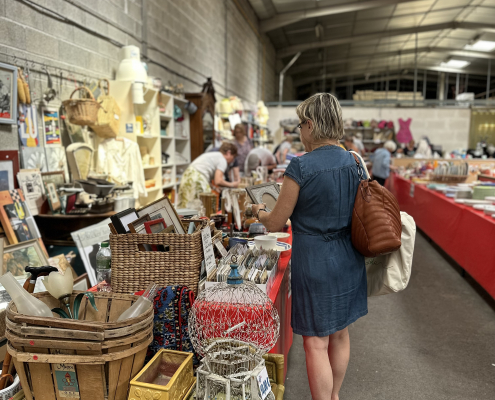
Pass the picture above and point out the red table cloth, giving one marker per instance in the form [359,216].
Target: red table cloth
[465,234]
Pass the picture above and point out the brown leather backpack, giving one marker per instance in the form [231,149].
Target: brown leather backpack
[376,226]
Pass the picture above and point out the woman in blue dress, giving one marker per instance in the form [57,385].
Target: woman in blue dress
[328,274]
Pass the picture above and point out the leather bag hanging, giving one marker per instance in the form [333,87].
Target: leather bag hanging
[376,225]
[108,121]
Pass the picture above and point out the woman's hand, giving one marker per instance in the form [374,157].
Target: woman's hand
[256,207]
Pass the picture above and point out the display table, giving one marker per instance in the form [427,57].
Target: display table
[280,295]
[464,233]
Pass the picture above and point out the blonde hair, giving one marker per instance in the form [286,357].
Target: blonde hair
[323,109]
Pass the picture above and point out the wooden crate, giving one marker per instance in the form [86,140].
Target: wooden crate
[178,387]
[93,358]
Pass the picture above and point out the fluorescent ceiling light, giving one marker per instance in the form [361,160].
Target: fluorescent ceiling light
[481,45]
[455,64]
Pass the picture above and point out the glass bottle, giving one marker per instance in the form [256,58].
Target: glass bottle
[26,303]
[104,268]
[141,304]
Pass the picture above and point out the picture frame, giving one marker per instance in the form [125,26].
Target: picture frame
[55,177]
[16,257]
[163,208]
[51,126]
[28,125]
[33,189]
[9,167]
[11,205]
[34,158]
[155,226]
[8,94]
[82,282]
[137,226]
[52,196]
[264,193]
[122,219]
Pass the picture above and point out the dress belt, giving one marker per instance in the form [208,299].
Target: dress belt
[328,237]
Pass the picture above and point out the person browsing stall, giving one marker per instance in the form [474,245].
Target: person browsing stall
[259,157]
[381,162]
[243,144]
[207,167]
[329,287]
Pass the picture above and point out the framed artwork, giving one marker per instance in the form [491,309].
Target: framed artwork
[17,257]
[9,167]
[33,189]
[77,133]
[56,159]
[155,226]
[51,126]
[56,177]
[53,199]
[137,226]
[265,193]
[122,220]
[82,282]
[163,208]
[34,158]
[28,125]
[8,94]
[12,216]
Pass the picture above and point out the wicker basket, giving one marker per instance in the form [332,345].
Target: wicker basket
[449,178]
[133,269]
[91,358]
[82,111]
[108,123]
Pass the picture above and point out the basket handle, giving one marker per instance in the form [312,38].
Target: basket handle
[108,86]
[83,88]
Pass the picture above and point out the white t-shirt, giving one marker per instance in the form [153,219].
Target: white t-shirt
[207,163]
[265,156]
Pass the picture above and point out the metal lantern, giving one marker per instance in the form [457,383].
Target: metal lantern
[232,325]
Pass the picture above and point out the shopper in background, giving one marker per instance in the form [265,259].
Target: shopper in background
[259,157]
[349,144]
[329,288]
[283,149]
[381,162]
[358,141]
[410,149]
[243,144]
[204,169]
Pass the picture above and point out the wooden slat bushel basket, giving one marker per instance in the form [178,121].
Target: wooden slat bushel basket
[93,358]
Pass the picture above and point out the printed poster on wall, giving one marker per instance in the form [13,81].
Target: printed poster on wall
[51,126]
[28,125]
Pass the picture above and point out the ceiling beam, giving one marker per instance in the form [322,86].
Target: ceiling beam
[287,18]
[343,60]
[383,34]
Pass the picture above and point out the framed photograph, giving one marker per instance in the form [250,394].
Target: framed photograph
[163,208]
[15,217]
[155,226]
[265,193]
[28,125]
[51,126]
[122,220]
[18,256]
[9,167]
[8,94]
[137,226]
[55,177]
[33,189]
[34,158]
[53,199]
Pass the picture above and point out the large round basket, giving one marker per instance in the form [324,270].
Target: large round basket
[92,358]
[82,111]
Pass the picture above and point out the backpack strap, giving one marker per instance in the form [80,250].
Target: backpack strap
[360,165]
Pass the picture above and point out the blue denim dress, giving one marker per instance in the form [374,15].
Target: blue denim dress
[329,287]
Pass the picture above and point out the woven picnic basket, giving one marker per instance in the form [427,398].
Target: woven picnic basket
[93,358]
[108,120]
[82,111]
[134,270]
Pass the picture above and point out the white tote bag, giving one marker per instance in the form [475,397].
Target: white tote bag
[390,273]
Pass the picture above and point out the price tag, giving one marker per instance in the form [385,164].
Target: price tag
[220,248]
[264,383]
[208,250]
[411,190]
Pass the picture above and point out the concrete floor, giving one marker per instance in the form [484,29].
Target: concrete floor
[434,341]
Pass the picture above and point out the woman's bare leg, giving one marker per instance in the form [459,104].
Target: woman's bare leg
[338,353]
[318,366]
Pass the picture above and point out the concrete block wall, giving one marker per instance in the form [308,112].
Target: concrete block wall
[448,127]
[186,41]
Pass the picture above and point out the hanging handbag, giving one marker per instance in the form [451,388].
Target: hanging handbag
[390,273]
[108,120]
[376,225]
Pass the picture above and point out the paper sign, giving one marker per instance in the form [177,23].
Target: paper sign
[208,250]
[264,383]
[65,375]
[220,248]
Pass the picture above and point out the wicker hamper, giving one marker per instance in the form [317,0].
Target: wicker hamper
[134,270]
[93,358]
[82,111]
